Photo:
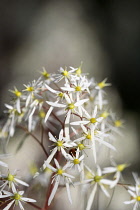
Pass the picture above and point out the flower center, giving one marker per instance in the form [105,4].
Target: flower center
[65,73]
[17,196]
[30,89]
[78,88]
[17,93]
[71,106]
[104,114]
[97,178]
[59,143]
[76,161]
[10,177]
[88,136]
[81,146]
[42,114]
[118,123]
[101,84]
[60,171]
[93,120]
[61,95]
[121,167]
[138,198]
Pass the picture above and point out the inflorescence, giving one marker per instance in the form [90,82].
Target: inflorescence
[73,111]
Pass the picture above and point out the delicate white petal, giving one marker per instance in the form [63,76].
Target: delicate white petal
[109,170]
[51,155]
[48,113]
[56,163]
[106,144]
[28,199]
[3,164]
[51,137]
[21,182]
[50,89]
[91,197]
[132,193]
[55,104]
[53,192]
[68,192]
[129,202]
[20,205]
[49,166]
[9,205]
[104,190]
[99,172]
[79,122]
[79,103]
[67,99]
[68,175]
[67,122]
[61,135]
[94,112]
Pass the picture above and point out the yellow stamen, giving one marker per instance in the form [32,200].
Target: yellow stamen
[78,88]
[71,106]
[97,178]
[76,161]
[121,167]
[10,177]
[81,146]
[93,120]
[104,114]
[65,73]
[17,196]
[60,171]
[59,143]
[118,123]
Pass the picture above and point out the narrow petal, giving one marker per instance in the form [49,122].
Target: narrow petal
[55,104]
[48,113]
[21,182]
[51,137]
[104,190]
[61,134]
[56,163]
[20,205]
[51,155]
[3,164]
[67,122]
[9,205]
[79,103]
[94,112]
[68,192]
[50,89]
[53,192]
[28,199]
[91,197]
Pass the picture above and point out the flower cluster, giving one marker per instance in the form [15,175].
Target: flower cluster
[73,111]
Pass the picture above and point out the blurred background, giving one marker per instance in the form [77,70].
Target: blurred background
[105,35]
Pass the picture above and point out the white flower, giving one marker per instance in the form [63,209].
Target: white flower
[135,199]
[60,175]
[70,104]
[60,144]
[96,179]
[76,160]
[93,122]
[16,197]
[11,180]
[63,73]
[137,182]
[100,87]
[117,170]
